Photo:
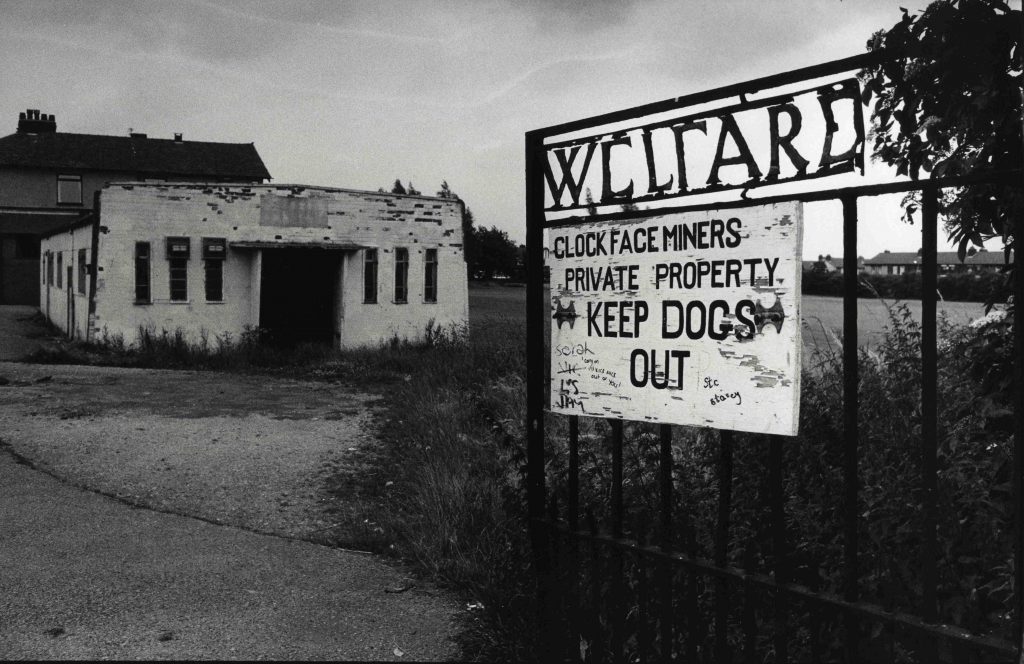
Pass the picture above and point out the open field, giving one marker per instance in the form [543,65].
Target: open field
[822,316]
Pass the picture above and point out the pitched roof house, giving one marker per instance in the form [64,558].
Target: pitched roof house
[48,179]
[905,262]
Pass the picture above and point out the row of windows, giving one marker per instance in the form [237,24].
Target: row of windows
[370,285]
[178,251]
[48,270]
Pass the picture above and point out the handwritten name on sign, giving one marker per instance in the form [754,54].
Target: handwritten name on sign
[687,318]
[797,136]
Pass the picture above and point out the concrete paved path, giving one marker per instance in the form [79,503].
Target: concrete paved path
[20,334]
[85,576]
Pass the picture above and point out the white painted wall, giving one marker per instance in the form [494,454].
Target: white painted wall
[53,300]
[133,212]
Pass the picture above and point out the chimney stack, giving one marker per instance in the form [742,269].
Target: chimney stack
[177,138]
[31,122]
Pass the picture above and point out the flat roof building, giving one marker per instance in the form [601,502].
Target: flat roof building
[349,268]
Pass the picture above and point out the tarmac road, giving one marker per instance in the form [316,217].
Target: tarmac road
[86,576]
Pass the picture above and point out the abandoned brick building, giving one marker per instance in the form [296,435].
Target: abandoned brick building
[48,180]
[350,268]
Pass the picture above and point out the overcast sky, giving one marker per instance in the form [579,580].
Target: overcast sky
[356,94]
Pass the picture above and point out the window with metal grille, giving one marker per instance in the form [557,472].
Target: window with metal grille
[69,189]
[142,293]
[401,276]
[430,276]
[214,253]
[178,250]
[83,269]
[370,276]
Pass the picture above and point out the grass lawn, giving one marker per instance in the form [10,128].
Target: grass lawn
[822,316]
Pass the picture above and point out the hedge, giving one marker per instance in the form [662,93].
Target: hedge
[955,286]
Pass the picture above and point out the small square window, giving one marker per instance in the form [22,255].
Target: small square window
[69,189]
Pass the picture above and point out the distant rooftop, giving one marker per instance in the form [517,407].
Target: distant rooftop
[38,144]
[981,257]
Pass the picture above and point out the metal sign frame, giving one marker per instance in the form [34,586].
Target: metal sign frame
[547,530]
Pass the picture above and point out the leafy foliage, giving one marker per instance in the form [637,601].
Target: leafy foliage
[496,254]
[948,102]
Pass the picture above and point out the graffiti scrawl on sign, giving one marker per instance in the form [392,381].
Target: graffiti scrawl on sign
[686,318]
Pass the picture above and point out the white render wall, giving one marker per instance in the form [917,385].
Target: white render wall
[54,300]
[152,212]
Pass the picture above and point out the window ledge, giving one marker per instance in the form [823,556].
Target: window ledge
[216,301]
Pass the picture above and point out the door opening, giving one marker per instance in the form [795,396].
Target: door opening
[297,295]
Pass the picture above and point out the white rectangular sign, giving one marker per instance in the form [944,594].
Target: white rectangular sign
[686,318]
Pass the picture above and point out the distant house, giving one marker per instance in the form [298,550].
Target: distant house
[826,264]
[48,180]
[908,262]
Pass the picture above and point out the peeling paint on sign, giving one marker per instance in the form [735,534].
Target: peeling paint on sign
[686,318]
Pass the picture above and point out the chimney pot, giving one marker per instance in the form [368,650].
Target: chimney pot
[32,122]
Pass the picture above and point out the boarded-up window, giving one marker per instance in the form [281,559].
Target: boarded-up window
[294,212]
[370,276]
[401,276]
[142,254]
[430,276]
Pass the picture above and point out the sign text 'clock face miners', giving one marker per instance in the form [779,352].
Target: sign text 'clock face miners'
[686,318]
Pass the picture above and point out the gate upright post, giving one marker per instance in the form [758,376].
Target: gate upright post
[929,413]
[535,386]
[850,423]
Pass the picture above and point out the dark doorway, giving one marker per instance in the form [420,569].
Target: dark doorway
[297,295]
